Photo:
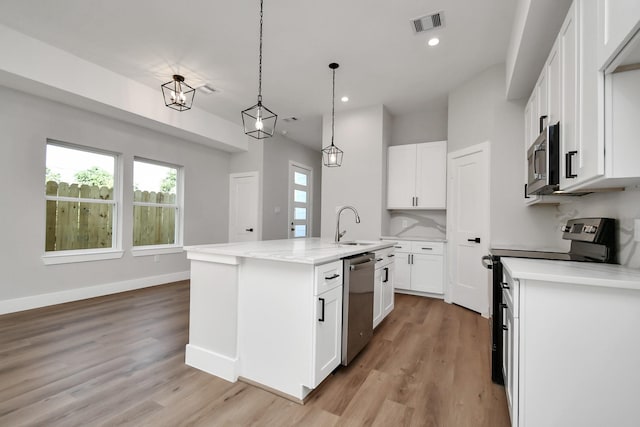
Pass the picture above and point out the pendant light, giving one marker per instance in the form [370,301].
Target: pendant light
[177,94]
[258,121]
[332,155]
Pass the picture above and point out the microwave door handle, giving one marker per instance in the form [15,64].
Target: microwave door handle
[539,148]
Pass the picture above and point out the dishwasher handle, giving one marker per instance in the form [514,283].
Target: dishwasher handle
[362,265]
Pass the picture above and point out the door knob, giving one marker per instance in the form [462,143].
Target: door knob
[477,240]
[249,230]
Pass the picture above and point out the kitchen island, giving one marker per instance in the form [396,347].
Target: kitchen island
[269,312]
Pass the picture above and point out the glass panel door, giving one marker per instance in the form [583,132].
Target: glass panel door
[300,201]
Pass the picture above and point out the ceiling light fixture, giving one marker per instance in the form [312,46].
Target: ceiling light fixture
[344,99]
[258,121]
[177,94]
[433,41]
[332,155]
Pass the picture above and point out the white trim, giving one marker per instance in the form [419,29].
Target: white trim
[156,250]
[79,255]
[43,300]
[211,362]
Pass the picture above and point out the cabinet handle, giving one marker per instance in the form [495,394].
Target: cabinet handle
[391,256]
[505,328]
[379,259]
[321,319]
[334,276]
[503,305]
[398,247]
[541,124]
[417,203]
[505,285]
[427,249]
[526,196]
[386,275]
[567,164]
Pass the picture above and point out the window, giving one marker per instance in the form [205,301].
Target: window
[299,200]
[81,191]
[156,203]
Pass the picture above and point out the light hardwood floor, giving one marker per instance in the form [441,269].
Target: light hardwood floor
[119,360]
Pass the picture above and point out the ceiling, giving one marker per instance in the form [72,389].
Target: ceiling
[381,60]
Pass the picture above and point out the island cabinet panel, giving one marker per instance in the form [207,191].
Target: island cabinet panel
[285,341]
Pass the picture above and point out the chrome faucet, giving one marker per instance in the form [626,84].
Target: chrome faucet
[339,233]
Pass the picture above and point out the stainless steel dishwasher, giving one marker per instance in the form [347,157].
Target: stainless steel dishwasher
[357,304]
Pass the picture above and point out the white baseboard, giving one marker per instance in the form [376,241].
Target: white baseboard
[43,300]
[212,363]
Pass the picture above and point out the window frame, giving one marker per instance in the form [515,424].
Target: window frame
[177,246]
[92,254]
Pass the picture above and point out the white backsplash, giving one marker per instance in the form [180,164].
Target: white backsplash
[418,224]
[624,206]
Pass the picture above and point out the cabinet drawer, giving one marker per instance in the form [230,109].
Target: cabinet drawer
[384,256]
[433,248]
[510,293]
[402,246]
[328,276]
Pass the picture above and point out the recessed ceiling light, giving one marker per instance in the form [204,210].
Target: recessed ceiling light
[433,41]
[344,99]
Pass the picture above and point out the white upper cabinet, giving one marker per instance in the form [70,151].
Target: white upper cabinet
[618,20]
[417,176]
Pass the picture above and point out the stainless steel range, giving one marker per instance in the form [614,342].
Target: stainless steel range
[592,240]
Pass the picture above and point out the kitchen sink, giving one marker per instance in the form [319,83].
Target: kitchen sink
[354,243]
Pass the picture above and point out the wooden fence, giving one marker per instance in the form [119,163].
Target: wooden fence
[85,224]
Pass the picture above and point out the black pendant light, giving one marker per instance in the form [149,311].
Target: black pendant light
[177,94]
[258,121]
[332,155]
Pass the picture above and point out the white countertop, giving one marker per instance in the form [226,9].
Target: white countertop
[581,273]
[414,239]
[306,251]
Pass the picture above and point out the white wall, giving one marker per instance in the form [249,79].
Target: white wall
[358,182]
[278,152]
[478,112]
[26,122]
[427,124]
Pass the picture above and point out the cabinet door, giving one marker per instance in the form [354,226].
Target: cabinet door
[387,281]
[542,98]
[401,176]
[568,41]
[403,271]
[511,363]
[377,296]
[617,21]
[554,85]
[427,273]
[431,175]
[328,324]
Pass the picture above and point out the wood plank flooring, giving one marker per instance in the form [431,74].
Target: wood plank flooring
[119,360]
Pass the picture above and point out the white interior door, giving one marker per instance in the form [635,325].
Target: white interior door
[468,227]
[243,207]
[300,200]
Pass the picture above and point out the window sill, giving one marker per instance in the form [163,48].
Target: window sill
[156,250]
[68,257]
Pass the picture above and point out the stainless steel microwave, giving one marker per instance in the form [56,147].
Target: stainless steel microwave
[543,162]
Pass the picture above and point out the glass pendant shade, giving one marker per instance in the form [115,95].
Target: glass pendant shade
[332,155]
[259,122]
[177,94]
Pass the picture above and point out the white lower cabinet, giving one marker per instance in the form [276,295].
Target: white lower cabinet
[383,285]
[328,334]
[420,267]
[570,355]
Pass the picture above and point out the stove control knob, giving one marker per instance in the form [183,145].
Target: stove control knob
[593,229]
[566,228]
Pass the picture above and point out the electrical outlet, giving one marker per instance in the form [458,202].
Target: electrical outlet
[636,228]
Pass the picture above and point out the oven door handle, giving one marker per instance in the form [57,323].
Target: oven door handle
[487,262]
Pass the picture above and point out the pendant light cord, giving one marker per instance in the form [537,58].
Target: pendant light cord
[260,60]
[333,107]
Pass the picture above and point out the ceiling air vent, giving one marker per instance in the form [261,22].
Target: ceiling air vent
[290,119]
[207,89]
[428,22]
